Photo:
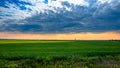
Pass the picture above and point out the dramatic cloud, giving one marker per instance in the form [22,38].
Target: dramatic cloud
[59,16]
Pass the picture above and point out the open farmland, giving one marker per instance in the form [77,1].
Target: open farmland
[59,54]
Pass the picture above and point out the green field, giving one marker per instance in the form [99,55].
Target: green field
[59,54]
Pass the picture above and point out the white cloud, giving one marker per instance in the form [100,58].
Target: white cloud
[79,2]
[13,12]
[105,1]
[79,18]
[38,6]
[33,2]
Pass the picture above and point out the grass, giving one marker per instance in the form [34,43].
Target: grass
[59,54]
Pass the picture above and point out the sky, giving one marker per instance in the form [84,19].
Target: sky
[65,36]
[61,17]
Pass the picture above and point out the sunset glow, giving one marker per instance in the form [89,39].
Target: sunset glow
[67,36]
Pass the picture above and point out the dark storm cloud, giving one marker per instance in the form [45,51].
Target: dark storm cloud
[97,17]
